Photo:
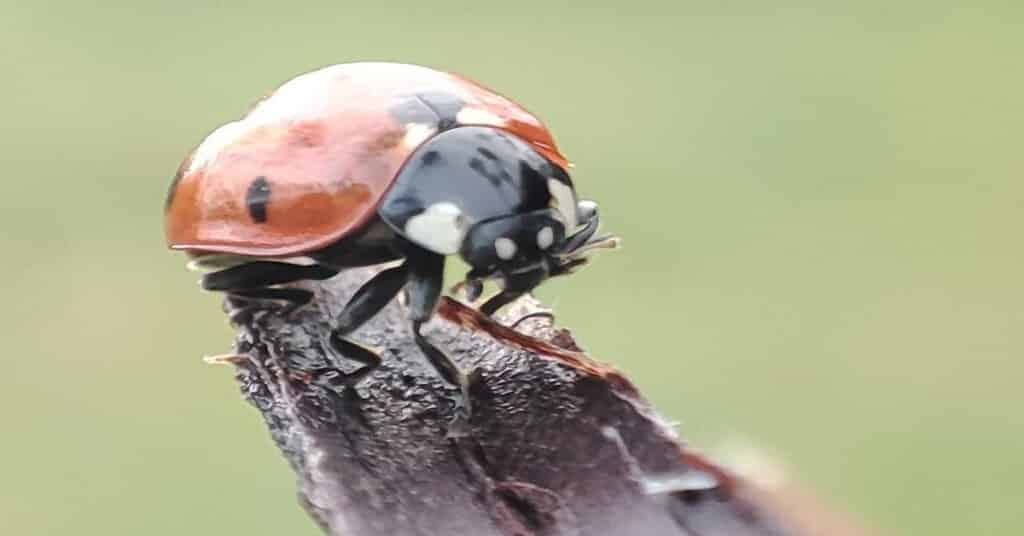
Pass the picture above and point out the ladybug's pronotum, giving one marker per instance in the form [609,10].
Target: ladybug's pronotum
[367,163]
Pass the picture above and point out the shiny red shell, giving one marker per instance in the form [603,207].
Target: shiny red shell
[327,144]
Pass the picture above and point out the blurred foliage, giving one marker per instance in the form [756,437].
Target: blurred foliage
[821,207]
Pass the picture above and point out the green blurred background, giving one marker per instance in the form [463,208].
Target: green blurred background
[821,208]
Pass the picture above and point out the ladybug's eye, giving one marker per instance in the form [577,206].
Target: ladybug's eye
[586,209]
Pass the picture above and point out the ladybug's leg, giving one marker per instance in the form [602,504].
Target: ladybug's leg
[258,274]
[366,302]
[426,279]
[371,298]
[332,377]
[253,281]
[515,286]
[500,300]
[293,298]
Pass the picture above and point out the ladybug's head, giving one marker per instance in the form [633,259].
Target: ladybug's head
[525,249]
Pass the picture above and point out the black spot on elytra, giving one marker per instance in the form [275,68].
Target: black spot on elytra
[256,198]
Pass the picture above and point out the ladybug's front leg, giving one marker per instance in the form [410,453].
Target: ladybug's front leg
[426,279]
[515,286]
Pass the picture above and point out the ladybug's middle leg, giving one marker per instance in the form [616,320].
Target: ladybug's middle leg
[366,302]
[370,298]
[426,282]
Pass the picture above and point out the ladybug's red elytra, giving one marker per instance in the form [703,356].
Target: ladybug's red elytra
[365,163]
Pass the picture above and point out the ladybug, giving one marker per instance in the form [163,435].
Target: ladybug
[366,163]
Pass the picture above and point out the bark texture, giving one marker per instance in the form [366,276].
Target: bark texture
[560,445]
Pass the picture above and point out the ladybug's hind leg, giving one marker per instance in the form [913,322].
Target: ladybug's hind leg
[259,274]
[253,281]
[245,302]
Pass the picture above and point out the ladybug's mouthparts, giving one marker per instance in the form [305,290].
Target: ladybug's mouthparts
[599,242]
[567,262]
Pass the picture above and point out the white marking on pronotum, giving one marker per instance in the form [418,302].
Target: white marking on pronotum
[505,248]
[416,134]
[545,237]
[477,116]
[441,228]
[564,199]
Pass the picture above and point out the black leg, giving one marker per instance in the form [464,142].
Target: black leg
[471,288]
[426,278]
[254,280]
[448,370]
[293,298]
[371,298]
[259,274]
[568,266]
[515,286]
[334,378]
[500,300]
[251,281]
[366,302]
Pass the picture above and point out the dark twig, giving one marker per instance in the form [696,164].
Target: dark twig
[560,444]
